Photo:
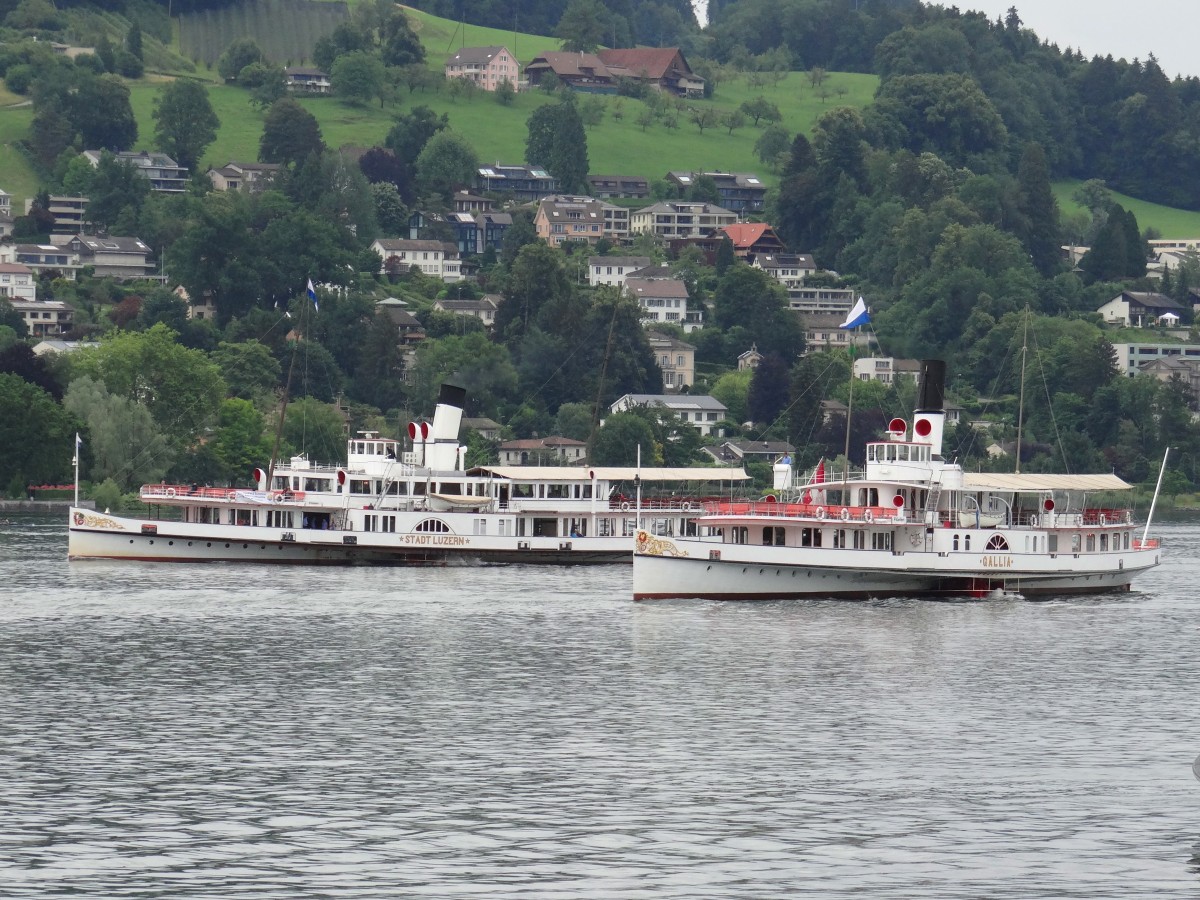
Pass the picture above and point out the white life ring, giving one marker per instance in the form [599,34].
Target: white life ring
[688,506]
[625,506]
[821,512]
[278,498]
[1103,520]
[1033,521]
[844,514]
[868,516]
[170,492]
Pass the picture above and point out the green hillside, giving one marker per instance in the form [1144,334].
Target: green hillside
[615,146]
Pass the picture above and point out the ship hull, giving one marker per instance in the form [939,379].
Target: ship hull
[99,536]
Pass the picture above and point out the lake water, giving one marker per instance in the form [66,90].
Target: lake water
[243,732]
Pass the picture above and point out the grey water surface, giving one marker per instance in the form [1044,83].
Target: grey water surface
[254,732]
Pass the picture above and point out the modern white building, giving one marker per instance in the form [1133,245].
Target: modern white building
[433,258]
[700,411]
[613,269]
[17,282]
[677,219]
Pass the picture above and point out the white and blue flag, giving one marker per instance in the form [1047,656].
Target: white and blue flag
[858,315]
[312,295]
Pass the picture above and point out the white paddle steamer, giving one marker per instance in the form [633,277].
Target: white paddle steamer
[911,523]
[421,507]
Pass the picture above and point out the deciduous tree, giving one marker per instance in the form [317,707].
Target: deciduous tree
[185,123]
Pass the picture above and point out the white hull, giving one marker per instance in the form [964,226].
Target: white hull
[682,568]
[100,536]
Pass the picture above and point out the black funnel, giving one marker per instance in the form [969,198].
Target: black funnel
[931,391]
[452,395]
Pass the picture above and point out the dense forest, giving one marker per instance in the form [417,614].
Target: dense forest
[933,201]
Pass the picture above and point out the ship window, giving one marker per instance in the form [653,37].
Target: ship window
[1091,543]
[860,539]
[1127,540]
[774,536]
[433,526]
[881,540]
[1075,543]
[1104,543]
[997,542]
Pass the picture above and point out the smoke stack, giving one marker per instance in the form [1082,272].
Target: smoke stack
[929,418]
[441,450]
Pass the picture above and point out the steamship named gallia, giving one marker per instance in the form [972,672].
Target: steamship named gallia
[422,506]
[909,524]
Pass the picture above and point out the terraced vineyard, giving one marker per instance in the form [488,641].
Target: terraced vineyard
[285,29]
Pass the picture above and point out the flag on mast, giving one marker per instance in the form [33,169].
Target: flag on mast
[312,295]
[819,474]
[858,315]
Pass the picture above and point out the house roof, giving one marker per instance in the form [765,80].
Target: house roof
[570,64]
[94,244]
[779,260]
[474,55]
[15,269]
[1150,300]
[304,70]
[656,287]
[659,341]
[639,262]
[542,443]
[771,447]
[654,62]
[745,234]
[675,401]
[396,244]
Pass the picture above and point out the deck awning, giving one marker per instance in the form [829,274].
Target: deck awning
[1033,482]
[612,473]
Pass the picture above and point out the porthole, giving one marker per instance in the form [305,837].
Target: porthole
[170,543]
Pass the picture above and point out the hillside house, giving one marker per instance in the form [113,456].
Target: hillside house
[125,258]
[70,214]
[885,369]
[663,68]
[1132,358]
[486,67]
[675,219]
[1141,310]
[610,187]
[43,258]
[547,451]
[753,239]
[307,80]
[164,174]
[523,184]
[821,301]
[45,318]
[584,72]
[483,309]
[789,269]
[742,192]
[563,218]
[662,300]
[240,176]
[433,258]
[614,269]
[700,411]
[17,282]
[750,359]
[822,332]
[676,358]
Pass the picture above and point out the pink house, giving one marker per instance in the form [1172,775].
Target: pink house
[486,66]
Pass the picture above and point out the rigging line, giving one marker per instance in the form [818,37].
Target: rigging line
[1062,450]
[612,324]
[816,381]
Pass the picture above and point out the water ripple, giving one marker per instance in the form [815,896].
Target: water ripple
[237,732]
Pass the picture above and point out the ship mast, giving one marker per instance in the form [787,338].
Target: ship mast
[1021,401]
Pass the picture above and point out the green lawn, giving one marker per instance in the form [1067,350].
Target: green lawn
[1169,222]
[16,175]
